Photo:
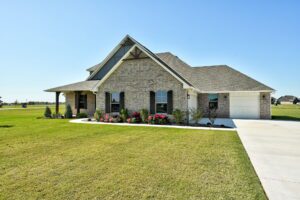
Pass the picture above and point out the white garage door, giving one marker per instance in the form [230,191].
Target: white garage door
[244,105]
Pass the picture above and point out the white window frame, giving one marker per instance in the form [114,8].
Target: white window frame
[112,103]
[162,102]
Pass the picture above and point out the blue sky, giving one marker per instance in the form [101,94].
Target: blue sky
[50,43]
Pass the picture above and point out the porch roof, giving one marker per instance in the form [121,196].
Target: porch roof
[78,86]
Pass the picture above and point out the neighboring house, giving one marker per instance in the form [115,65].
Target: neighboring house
[287,99]
[133,77]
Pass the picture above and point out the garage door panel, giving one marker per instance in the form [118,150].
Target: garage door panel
[244,105]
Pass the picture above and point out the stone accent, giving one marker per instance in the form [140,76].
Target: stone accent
[223,104]
[265,105]
[70,99]
[136,78]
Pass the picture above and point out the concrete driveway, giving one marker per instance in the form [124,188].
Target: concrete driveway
[274,150]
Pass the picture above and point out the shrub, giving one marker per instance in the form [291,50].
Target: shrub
[48,113]
[98,115]
[160,119]
[196,114]
[124,114]
[106,117]
[137,117]
[144,115]
[68,113]
[178,116]
[81,115]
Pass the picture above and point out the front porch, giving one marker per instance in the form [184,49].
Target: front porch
[80,102]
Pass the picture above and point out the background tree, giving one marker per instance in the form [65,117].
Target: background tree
[1,102]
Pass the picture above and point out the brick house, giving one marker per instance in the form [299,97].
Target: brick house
[133,77]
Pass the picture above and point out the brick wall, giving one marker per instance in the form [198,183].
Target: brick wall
[223,104]
[265,105]
[137,78]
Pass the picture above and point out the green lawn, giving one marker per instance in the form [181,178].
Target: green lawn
[54,159]
[286,112]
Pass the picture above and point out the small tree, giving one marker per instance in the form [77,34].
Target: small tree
[68,113]
[48,113]
[178,116]
[144,115]
[196,114]
[212,115]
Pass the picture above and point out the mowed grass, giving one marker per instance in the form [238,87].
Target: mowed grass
[286,112]
[55,159]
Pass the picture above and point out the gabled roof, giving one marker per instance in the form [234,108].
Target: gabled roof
[216,78]
[79,86]
[287,98]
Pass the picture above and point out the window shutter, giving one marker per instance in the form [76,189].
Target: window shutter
[122,100]
[170,102]
[85,101]
[76,99]
[107,102]
[152,102]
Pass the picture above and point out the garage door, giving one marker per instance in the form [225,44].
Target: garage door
[244,105]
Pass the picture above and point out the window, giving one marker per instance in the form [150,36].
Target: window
[115,102]
[161,101]
[213,101]
[82,101]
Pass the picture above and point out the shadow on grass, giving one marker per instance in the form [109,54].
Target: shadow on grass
[286,118]
[6,126]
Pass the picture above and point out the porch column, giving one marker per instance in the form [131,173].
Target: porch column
[77,96]
[57,102]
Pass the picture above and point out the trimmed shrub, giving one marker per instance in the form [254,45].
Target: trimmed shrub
[48,113]
[144,115]
[178,116]
[68,113]
[81,115]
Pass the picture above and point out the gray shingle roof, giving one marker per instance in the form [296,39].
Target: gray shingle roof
[213,78]
[79,86]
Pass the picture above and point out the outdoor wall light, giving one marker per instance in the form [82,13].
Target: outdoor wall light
[188,96]
[225,96]
[263,96]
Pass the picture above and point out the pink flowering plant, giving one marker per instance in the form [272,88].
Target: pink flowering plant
[158,119]
[136,116]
